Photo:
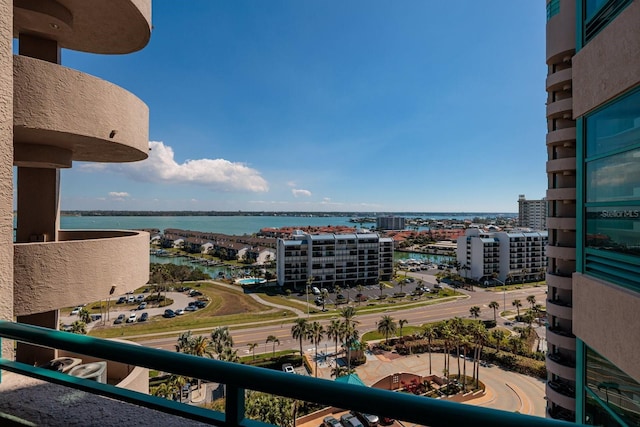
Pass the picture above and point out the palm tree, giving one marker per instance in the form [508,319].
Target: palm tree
[517,304]
[387,326]
[78,327]
[202,346]
[498,335]
[349,331]
[401,323]
[381,287]
[84,315]
[252,348]
[495,306]
[184,342]
[445,333]
[359,288]
[315,333]
[334,332]
[221,339]
[325,295]
[429,332]
[299,331]
[531,299]
[274,340]
[475,311]
[177,382]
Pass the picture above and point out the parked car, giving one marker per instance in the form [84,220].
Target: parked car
[315,290]
[140,298]
[132,318]
[143,317]
[142,305]
[179,312]
[330,422]
[119,320]
[288,368]
[349,420]
[340,297]
[121,300]
[319,301]
[190,308]
[131,299]
[368,420]
[168,313]
[201,304]
[76,311]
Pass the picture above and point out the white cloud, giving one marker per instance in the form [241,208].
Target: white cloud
[214,174]
[300,192]
[291,184]
[119,194]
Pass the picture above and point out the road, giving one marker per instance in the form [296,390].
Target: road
[367,322]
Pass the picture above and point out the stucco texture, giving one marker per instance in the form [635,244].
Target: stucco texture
[79,268]
[94,119]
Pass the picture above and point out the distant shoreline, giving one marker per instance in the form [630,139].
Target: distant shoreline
[286,214]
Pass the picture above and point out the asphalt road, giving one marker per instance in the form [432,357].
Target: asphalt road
[367,322]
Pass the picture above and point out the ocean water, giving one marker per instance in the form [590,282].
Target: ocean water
[232,225]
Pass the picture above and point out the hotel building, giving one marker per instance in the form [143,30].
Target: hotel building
[334,259]
[593,144]
[532,213]
[390,222]
[512,256]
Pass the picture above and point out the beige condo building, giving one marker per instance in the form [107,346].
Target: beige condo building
[51,116]
[593,145]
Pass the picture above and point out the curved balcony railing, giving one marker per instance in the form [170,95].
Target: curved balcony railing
[105,124]
[560,80]
[559,309]
[566,136]
[83,265]
[560,366]
[561,108]
[561,252]
[561,193]
[238,378]
[558,223]
[566,165]
[561,338]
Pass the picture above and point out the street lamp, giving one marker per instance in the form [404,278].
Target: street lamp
[504,293]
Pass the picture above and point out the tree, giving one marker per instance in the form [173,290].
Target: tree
[252,348]
[387,326]
[359,288]
[381,286]
[495,306]
[84,315]
[429,333]
[315,333]
[299,331]
[401,324]
[78,327]
[531,299]
[349,331]
[517,304]
[498,335]
[273,339]
[222,343]
[334,331]
[325,295]
[475,311]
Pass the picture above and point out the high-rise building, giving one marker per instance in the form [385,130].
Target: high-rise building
[532,213]
[593,143]
[334,259]
[50,116]
[390,222]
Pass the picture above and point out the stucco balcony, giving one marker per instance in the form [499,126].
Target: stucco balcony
[559,281]
[561,252]
[561,339]
[561,399]
[105,124]
[566,136]
[560,80]
[560,109]
[566,166]
[559,309]
[561,368]
[82,266]
[557,223]
[563,194]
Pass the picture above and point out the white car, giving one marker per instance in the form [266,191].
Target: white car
[76,311]
[179,311]
[132,318]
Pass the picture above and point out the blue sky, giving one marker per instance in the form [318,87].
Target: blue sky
[381,106]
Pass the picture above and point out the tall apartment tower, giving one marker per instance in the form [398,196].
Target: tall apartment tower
[390,222]
[50,116]
[532,213]
[593,143]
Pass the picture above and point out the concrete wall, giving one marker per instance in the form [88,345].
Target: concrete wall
[593,65]
[6,167]
[605,317]
[561,39]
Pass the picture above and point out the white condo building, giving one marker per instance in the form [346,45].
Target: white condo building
[516,255]
[334,259]
[390,222]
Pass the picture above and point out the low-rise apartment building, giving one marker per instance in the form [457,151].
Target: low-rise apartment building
[334,259]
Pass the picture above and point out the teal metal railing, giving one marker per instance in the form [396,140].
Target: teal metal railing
[238,378]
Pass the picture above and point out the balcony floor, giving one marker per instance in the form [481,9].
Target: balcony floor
[46,404]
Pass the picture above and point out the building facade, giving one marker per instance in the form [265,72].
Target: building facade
[334,259]
[390,222]
[507,256]
[50,116]
[532,213]
[593,142]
